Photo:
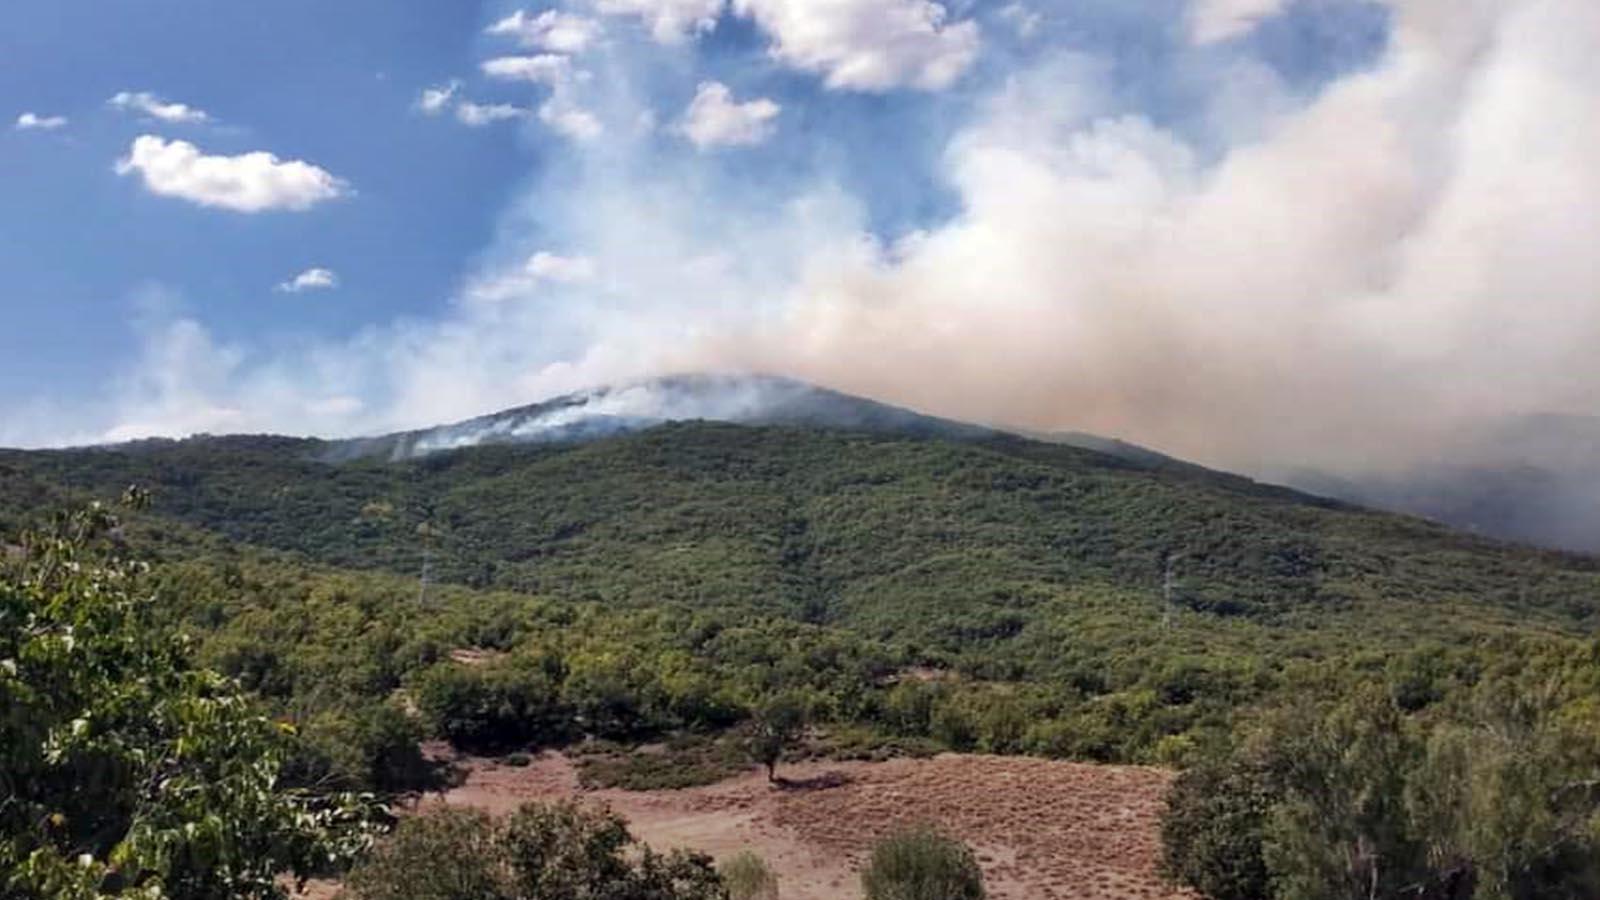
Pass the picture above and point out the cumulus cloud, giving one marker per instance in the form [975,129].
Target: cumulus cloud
[1025,19]
[34,122]
[566,269]
[316,279]
[715,119]
[863,45]
[522,281]
[248,183]
[147,104]
[567,118]
[552,30]
[546,68]
[868,45]
[435,100]
[669,21]
[1211,21]
[477,115]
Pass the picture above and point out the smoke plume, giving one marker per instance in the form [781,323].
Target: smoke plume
[1343,275]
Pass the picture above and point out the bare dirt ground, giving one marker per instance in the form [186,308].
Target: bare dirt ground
[1042,830]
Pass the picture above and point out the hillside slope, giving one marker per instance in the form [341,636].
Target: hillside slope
[947,541]
[1061,601]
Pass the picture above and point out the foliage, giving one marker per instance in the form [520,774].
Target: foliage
[922,864]
[493,707]
[682,761]
[123,769]
[1363,700]
[777,724]
[1497,802]
[540,851]
[748,877]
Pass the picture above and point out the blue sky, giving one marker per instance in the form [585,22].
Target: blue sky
[469,205]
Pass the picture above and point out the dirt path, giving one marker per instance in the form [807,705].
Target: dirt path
[1042,829]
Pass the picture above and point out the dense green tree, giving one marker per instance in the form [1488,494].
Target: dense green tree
[1211,834]
[124,770]
[1362,802]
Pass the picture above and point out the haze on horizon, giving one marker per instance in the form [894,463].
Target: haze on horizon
[1245,232]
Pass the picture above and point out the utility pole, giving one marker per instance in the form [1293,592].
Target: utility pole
[1169,584]
[425,531]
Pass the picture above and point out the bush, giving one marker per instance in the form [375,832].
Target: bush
[748,877]
[493,707]
[540,851]
[922,864]
[448,854]
[1211,833]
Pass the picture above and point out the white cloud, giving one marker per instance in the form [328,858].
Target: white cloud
[868,45]
[1211,21]
[714,119]
[546,68]
[33,122]
[565,269]
[540,269]
[553,30]
[669,21]
[477,115]
[1023,18]
[863,45]
[248,183]
[563,114]
[435,100]
[148,104]
[317,279]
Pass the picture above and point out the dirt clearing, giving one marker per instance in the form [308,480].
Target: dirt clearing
[1041,829]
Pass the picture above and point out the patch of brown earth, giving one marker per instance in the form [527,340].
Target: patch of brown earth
[1041,829]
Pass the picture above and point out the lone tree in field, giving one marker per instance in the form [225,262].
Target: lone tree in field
[776,726]
[922,864]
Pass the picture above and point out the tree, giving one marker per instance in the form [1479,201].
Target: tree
[748,877]
[540,852]
[1211,832]
[125,771]
[922,864]
[1362,802]
[776,725]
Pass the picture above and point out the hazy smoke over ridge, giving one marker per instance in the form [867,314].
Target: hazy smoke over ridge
[1410,252]
[1341,280]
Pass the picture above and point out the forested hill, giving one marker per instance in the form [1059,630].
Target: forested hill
[947,542]
[1045,599]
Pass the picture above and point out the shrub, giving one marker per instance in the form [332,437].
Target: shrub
[540,851]
[1211,832]
[448,854]
[493,707]
[922,864]
[748,877]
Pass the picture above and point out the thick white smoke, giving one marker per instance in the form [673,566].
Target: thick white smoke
[1412,251]
[1345,280]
